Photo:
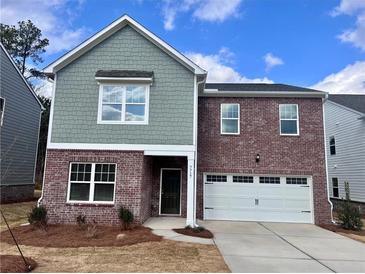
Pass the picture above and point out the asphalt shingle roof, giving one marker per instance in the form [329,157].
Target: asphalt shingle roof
[255,87]
[353,101]
[124,73]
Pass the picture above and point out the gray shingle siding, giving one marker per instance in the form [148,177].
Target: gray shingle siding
[171,95]
[19,132]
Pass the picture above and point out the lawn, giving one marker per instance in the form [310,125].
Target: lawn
[16,213]
[157,256]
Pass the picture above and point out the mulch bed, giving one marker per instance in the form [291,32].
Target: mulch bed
[15,263]
[74,236]
[190,232]
[337,228]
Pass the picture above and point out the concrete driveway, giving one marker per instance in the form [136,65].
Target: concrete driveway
[282,247]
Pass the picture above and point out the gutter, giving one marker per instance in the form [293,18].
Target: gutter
[325,156]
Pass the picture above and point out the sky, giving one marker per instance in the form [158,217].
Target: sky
[310,43]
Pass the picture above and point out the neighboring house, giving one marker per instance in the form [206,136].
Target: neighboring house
[345,137]
[134,124]
[20,118]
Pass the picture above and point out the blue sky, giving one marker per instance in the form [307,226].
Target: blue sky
[300,42]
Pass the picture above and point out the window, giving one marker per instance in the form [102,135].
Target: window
[243,179]
[332,145]
[230,119]
[296,181]
[92,183]
[2,108]
[123,104]
[335,187]
[216,178]
[269,180]
[289,123]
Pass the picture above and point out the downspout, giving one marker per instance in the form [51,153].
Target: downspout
[196,147]
[48,136]
[325,156]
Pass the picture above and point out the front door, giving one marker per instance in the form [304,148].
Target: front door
[170,191]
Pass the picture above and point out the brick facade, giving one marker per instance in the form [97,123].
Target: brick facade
[16,193]
[259,123]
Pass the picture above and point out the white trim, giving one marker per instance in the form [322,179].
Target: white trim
[2,112]
[283,93]
[108,31]
[50,122]
[123,103]
[140,147]
[297,119]
[159,210]
[92,185]
[238,119]
[124,79]
[188,154]
[21,75]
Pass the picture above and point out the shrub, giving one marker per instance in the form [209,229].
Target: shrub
[81,221]
[38,217]
[126,217]
[196,229]
[92,230]
[348,214]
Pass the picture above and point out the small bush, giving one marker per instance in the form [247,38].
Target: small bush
[196,229]
[126,217]
[38,217]
[348,214]
[92,230]
[81,221]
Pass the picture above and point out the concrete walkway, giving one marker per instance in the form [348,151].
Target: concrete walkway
[163,226]
[282,247]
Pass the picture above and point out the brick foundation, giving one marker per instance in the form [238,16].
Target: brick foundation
[259,123]
[16,193]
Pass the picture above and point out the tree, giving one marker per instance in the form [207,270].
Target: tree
[23,43]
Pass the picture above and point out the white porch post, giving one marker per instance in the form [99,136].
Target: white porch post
[190,208]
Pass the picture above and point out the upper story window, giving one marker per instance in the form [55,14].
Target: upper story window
[230,119]
[123,104]
[2,108]
[289,122]
[332,145]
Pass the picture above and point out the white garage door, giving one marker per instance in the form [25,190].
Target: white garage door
[258,198]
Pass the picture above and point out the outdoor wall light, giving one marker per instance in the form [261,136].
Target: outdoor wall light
[257,158]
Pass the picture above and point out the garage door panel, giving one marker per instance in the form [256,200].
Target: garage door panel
[258,201]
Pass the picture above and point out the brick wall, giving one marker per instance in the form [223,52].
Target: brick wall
[131,168]
[16,193]
[259,123]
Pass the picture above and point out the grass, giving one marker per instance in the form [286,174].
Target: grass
[162,256]
[15,213]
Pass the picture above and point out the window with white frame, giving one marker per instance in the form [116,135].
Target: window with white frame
[92,183]
[335,192]
[332,145]
[123,104]
[2,108]
[230,118]
[289,122]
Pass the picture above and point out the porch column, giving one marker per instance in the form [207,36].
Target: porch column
[190,209]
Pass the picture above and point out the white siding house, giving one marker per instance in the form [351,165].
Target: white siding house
[345,137]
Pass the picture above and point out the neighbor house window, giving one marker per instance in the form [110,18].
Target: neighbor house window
[335,187]
[2,108]
[289,122]
[230,118]
[92,183]
[332,145]
[123,104]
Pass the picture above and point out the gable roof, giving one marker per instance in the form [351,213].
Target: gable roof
[111,29]
[353,101]
[259,89]
[21,76]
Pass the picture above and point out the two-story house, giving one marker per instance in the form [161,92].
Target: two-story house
[345,135]
[133,123]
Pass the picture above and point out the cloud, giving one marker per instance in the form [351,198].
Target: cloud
[349,80]
[218,68]
[43,88]
[53,17]
[204,10]
[272,61]
[356,35]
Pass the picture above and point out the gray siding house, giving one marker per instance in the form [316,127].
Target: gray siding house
[20,118]
[345,137]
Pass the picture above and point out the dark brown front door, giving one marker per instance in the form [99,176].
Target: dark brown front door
[170,191]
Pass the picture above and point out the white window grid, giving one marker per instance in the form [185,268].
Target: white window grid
[284,109]
[231,118]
